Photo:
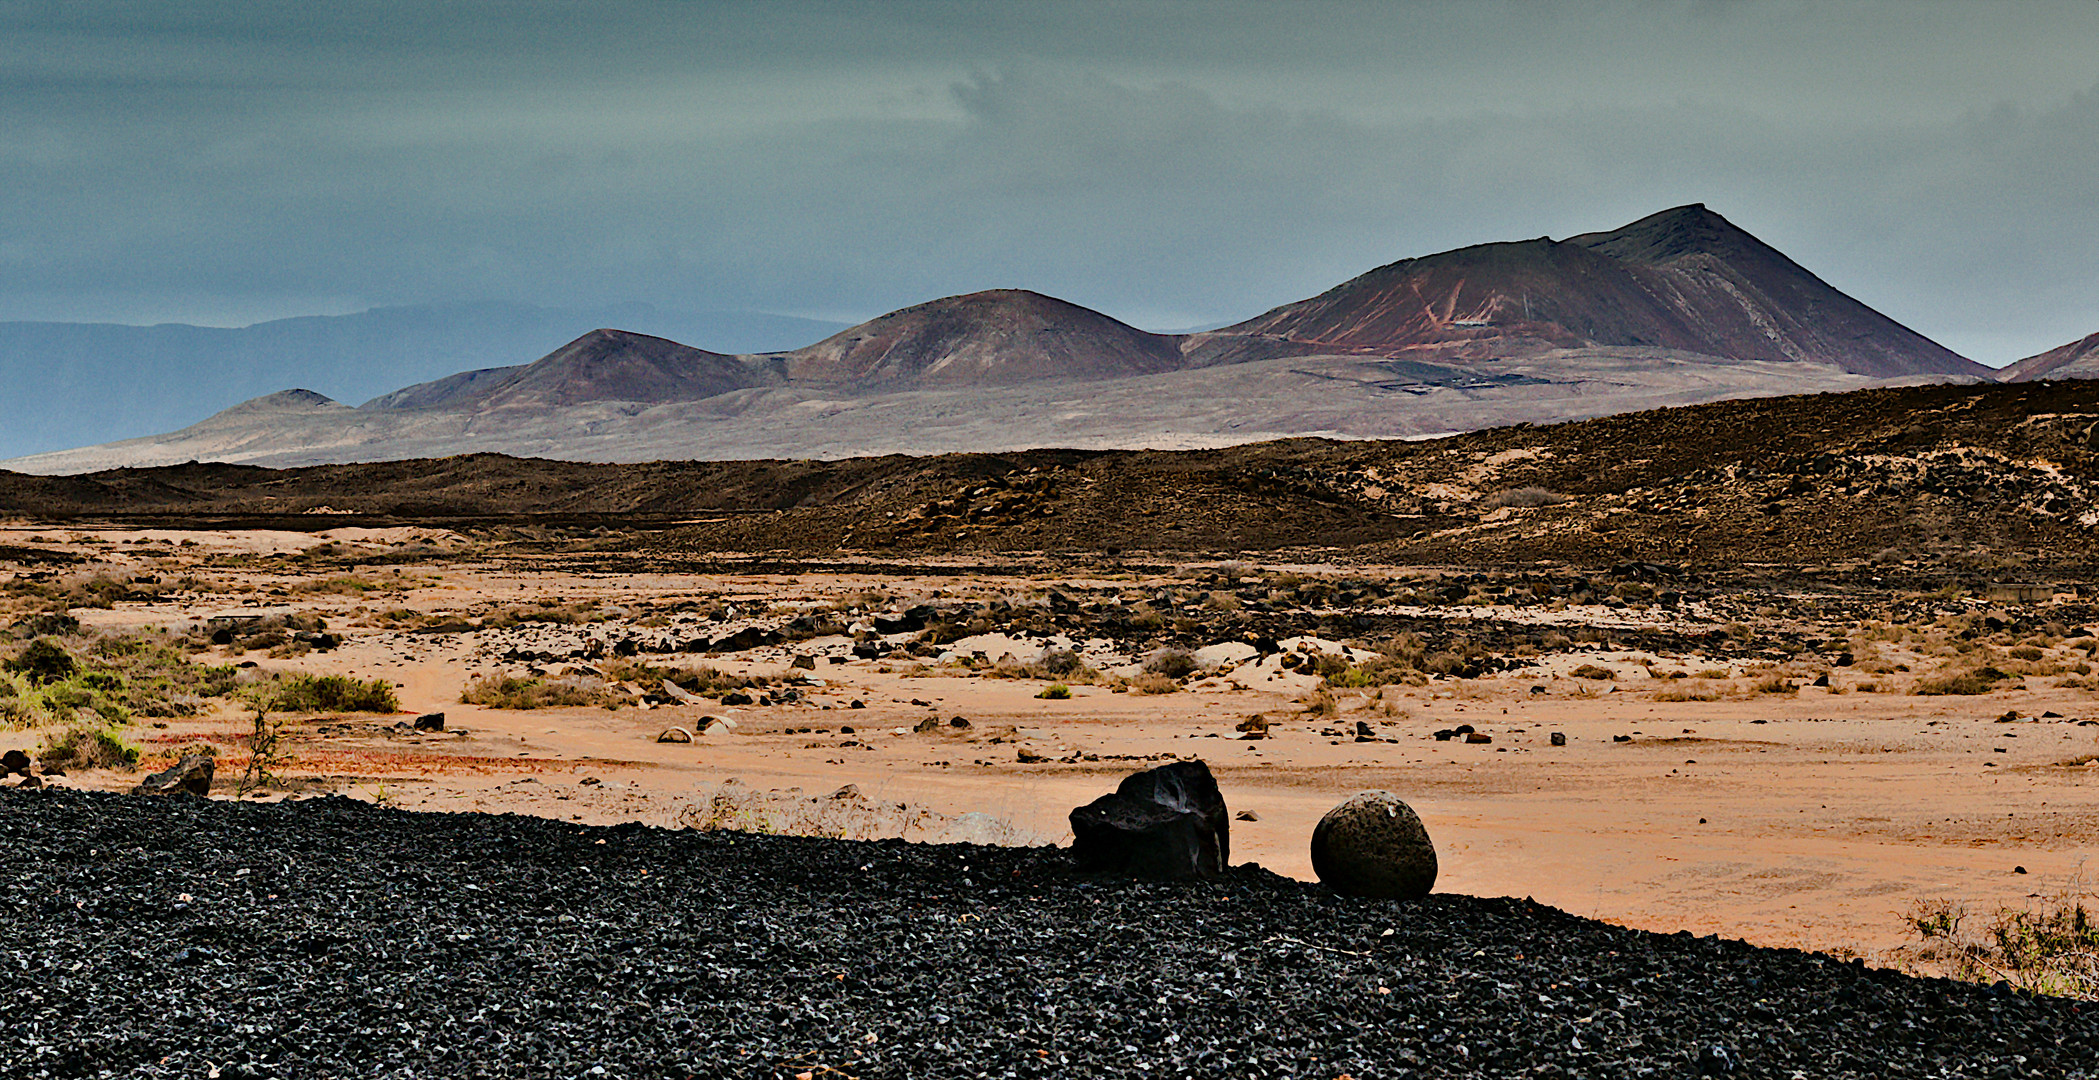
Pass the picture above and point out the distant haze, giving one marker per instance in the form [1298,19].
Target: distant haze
[1168,164]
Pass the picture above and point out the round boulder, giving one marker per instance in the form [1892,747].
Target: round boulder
[1374,845]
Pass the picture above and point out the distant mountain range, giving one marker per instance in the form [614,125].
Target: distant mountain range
[105,381]
[1678,307]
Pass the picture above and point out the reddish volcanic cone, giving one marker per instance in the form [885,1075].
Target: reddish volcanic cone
[999,337]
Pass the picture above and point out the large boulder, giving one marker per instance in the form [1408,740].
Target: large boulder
[1168,822]
[190,776]
[14,762]
[1374,845]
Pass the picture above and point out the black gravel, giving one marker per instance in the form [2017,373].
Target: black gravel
[331,938]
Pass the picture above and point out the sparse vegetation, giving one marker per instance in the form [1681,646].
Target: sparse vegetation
[81,746]
[1525,497]
[2049,947]
[535,692]
[1958,680]
[325,693]
[1055,692]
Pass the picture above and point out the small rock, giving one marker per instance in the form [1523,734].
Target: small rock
[190,776]
[805,663]
[1621,738]
[845,729]
[1557,738]
[1821,680]
[1030,757]
[927,725]
[1364,733]
[14,763]
[736,697]
[674,735]
[1247,815]
[1478,738]
[959,722]
[430,722]
[857,704]
[679,694]
[2018,869]
[31,782]
[848,792]
[1374,845]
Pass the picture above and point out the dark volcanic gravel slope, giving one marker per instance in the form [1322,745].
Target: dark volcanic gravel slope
[332,938]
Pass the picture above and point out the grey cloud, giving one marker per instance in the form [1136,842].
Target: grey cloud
[1172,163]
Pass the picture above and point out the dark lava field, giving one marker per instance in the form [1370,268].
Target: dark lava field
[332,938]
[1939,475]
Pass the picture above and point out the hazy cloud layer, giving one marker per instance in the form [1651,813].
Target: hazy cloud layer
[1172,164]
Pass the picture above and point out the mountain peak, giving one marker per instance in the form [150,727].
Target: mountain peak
[2077,360]
[992,337]
[1678,231]
[283,401]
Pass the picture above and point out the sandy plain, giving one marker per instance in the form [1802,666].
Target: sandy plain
[1815,818]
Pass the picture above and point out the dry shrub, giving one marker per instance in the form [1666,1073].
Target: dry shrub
[1525,497]
[1958,680]
[535,692]
[1691,690]
[1593,671]
[79,747]
[1774,683]
[1154,683]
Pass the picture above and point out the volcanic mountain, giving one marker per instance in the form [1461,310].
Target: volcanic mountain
[603,365]
[2077,360]
[1676,308]
[999,337]
[1685,279]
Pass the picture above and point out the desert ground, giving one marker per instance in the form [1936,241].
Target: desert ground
[1706,782]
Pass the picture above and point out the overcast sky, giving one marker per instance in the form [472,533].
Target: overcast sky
[1172,164]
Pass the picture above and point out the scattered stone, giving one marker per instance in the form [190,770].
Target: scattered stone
[2018,869]
[430,722]
[848,792]
[1621,738]
[804,663]
[679,694]
[1445,735]
[1364,732]
[1247,815]
[736,697]
[928,725]
[1030,757]
[14,763]
[857,704]
[959,722]
[1374,845]
[30,782]
[1557,738]
[1478,738]
[1821,680]
[1168,822]
[190,776]
[845,729]
[674,735]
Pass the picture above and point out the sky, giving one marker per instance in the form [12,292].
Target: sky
[1174,164]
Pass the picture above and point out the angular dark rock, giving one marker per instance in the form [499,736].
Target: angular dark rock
[430,722]
[190,776]
[14,763]
[1168,822]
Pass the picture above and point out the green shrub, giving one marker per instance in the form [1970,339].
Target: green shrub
[44,661]
[326,693]
[1055,692]
[79,747]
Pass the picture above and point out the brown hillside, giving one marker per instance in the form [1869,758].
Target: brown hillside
[2077,360]
[1682,279]
[999,337]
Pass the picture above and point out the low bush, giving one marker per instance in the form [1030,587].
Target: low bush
[513,692]
[1152,682]
[325,693]
[1525,497]
[1170,662]
[1055,692]
[82,747]
[1593,671]
[1958,680]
